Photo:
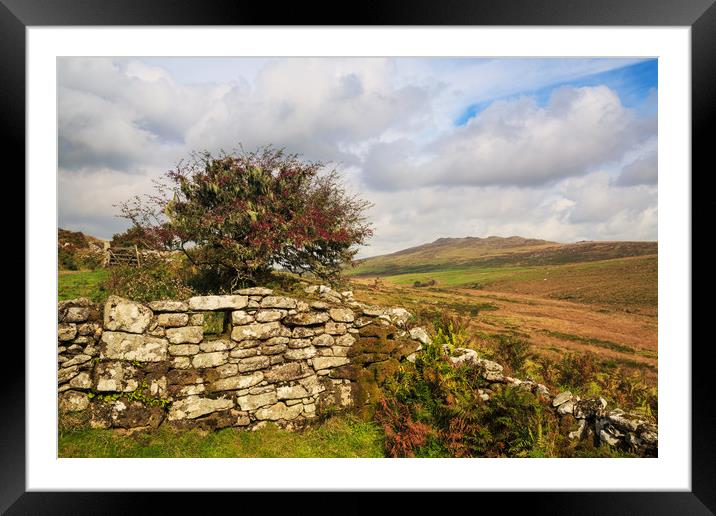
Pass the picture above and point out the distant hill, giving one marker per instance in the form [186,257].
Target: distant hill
[76,250]
[77,240]
[495,251]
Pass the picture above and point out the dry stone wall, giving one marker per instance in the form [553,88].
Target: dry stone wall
[231,360]
[245,359]
[582,419]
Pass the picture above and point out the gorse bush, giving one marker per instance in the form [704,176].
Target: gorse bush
[156,278]
[89,259]
[73,259]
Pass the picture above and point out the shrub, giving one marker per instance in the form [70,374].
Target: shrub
[73,259]
[576,371]
[89,258]
[75,239]
[511,350]
[547,371]
[403,435]
[452,330]
[428,283]
[516,422]
[630,391]
[66,259]
[135,235]
[239,216]
[76,251]
[432,408]
[156,278]
[584,374]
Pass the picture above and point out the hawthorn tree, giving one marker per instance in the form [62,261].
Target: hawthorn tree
[238,216]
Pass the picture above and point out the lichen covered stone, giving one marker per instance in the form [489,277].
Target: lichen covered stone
[127,316]
[234,302]
[129,346]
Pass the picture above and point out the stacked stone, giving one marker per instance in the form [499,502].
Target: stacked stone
[492,372]
[271,366]
[376,355]
[589,417]
[631,432]
[230,360]
[78,333]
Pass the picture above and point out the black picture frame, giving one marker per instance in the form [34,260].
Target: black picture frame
[700,15]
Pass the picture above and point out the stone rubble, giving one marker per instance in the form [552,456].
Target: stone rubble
[631,432]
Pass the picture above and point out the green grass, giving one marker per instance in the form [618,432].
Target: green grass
[607,344]
[337,437]
[464,307]
[512,300]
[623,283]
[451,277]
[485,276]
[74,284]
[454,276]
[625,362]
[497,252]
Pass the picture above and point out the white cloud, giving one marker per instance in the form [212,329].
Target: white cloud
[88,198]
[517,142]
[584,208]
[641,171]
[140,105]
[316,107]
[517,168]
[98,132]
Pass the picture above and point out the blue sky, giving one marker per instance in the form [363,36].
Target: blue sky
[634,83]
[561,149]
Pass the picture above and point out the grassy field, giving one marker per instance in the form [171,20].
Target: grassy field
[463,254]
[74,284]
[602,303]
[337,437]
[627,283]
[596,297]
[625,335]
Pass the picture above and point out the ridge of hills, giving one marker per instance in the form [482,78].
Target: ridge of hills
[495,251]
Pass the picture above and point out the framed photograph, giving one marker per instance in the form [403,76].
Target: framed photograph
[421,249]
